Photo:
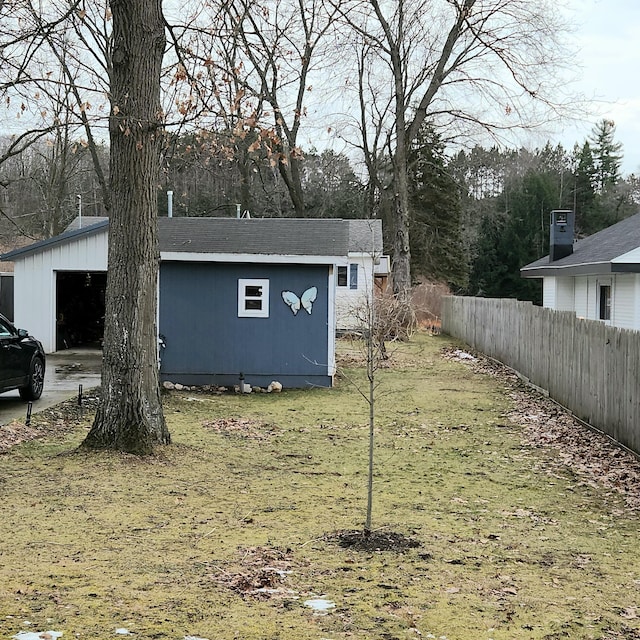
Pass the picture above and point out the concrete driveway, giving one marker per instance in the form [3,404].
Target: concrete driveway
[65,372]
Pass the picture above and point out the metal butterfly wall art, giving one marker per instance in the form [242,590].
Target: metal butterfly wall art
[305,301]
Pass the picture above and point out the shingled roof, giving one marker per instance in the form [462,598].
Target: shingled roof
[248,236]
[602,252]
[266,236]
[365,236]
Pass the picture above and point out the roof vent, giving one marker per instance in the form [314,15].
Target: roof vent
[562,232]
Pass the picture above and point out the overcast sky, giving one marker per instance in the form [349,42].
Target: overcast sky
[608,37]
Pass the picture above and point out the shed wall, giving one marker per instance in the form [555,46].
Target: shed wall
[207,343]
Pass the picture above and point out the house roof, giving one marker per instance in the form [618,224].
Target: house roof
[365,236]
[246,236]
[612,250]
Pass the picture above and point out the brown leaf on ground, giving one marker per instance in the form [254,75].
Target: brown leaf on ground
[53,422]
[261,573]
[588,453]
[241,427]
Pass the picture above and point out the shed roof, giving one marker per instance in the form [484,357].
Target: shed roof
[267,236]
[43,245]
[365,236]
[254,236]
[602,252]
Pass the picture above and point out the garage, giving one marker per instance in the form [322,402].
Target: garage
[80,309]
[59,286]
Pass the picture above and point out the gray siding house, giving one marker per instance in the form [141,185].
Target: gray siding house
[255,297]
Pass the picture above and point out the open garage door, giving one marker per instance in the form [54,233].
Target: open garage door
[80,309]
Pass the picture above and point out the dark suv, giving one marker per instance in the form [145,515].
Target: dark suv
[22,362]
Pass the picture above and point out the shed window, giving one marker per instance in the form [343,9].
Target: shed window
[605,302]
[253,298]
[342,277]
[353,276]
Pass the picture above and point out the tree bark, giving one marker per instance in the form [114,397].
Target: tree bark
[401,259]
[129,417]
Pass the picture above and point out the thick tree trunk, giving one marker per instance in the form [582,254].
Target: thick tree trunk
[401,259]
[290,173]
[130,416]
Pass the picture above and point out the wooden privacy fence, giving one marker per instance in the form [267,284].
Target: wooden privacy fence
[588,367]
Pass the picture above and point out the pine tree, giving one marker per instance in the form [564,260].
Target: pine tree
[606,154]
[436,246]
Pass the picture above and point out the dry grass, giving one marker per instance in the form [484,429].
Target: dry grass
[226,533]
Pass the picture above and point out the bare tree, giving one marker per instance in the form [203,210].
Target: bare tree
[377,317]
[53,76]
[463,65]
[270,52]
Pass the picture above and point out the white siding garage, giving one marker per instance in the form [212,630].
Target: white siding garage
[36,273]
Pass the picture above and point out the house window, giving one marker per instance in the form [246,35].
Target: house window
[342,277]
[353,276]
[253,298]
[605,302]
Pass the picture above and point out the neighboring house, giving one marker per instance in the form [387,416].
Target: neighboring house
[598,277]
[366,273]
[255,297]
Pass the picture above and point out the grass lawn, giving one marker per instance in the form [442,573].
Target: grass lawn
[234,528]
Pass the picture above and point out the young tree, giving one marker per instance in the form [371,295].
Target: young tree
[129,417]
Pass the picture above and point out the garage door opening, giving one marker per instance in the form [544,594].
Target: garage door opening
[80,309]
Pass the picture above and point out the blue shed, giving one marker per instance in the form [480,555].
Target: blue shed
[250,297]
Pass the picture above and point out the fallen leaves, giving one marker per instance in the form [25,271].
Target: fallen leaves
[261,574]
[591,455]
[242,427]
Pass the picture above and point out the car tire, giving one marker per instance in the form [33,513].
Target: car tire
[33,390]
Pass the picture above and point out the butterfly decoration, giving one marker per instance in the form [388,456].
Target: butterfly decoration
[305,301]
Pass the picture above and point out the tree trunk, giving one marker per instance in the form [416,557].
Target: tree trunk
[130,416]
[401,260]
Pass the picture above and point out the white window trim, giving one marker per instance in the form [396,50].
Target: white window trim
[243,283]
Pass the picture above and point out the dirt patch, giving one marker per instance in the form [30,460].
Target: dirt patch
[380,540]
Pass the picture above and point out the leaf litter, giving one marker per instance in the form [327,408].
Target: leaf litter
[261,574]
[592,455]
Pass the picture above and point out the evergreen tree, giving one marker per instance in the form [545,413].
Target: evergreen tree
[607,154]
[331,187]
[584,194]
[436,245]
[519,234]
